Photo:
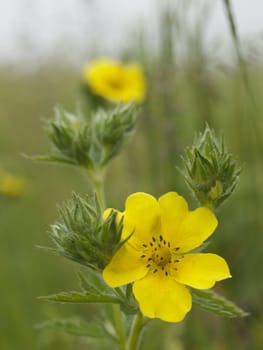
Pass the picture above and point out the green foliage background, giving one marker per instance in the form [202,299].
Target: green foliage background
[181,98]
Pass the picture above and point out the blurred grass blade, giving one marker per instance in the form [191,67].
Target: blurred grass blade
[210,301]
[234,33]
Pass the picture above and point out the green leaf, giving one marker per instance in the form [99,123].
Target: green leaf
[93,283]
[50,158]
[210,301]
[80,298]
[75,327]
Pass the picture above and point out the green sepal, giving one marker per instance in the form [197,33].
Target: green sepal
[75,327]
[215,303]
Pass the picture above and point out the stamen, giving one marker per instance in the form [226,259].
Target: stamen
[161,238]
[164,242]
[149,265]
[177,248]
[155,270]
[151,244]
[143,256]
[169,245]
[153,238]
[145,245]
[176,261]
[166,273]
[149,259]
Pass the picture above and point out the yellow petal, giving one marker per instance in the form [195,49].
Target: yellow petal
[201,271]
[173,210]
[162,297]
[141,218]
[197,226]
[126,266]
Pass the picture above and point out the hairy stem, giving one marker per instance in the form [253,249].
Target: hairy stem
[135,334]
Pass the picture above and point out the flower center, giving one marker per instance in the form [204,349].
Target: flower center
[115,83]
[158,255]
[162,256]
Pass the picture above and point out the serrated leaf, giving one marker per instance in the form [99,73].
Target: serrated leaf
[80,298]
[75,327]
[211,301]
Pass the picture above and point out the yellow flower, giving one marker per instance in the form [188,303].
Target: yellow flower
[157,259]
[11,185]
[115,81]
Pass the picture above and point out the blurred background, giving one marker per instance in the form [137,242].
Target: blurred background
[193,77]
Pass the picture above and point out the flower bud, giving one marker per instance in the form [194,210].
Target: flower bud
[90,143]
[209,170]
[83,235]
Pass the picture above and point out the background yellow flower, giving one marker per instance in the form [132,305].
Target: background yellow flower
[115,81]
[11,185]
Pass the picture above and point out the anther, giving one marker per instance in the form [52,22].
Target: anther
[159,245]
[145,245]
[177,248]
[161,238]
[148,265]
[151,244]
[166,273]
[149,259]
[169,245]
[176,261]
[153,238]
[164,242]
[155,270]
[143,256]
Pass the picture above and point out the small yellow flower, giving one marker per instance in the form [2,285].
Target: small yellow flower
[157,259]
[11,185]
[115,81]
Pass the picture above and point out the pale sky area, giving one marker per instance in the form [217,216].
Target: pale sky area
[34,30]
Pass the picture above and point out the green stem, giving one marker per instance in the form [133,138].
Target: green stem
[97,179]
[119,327]
[135,334]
